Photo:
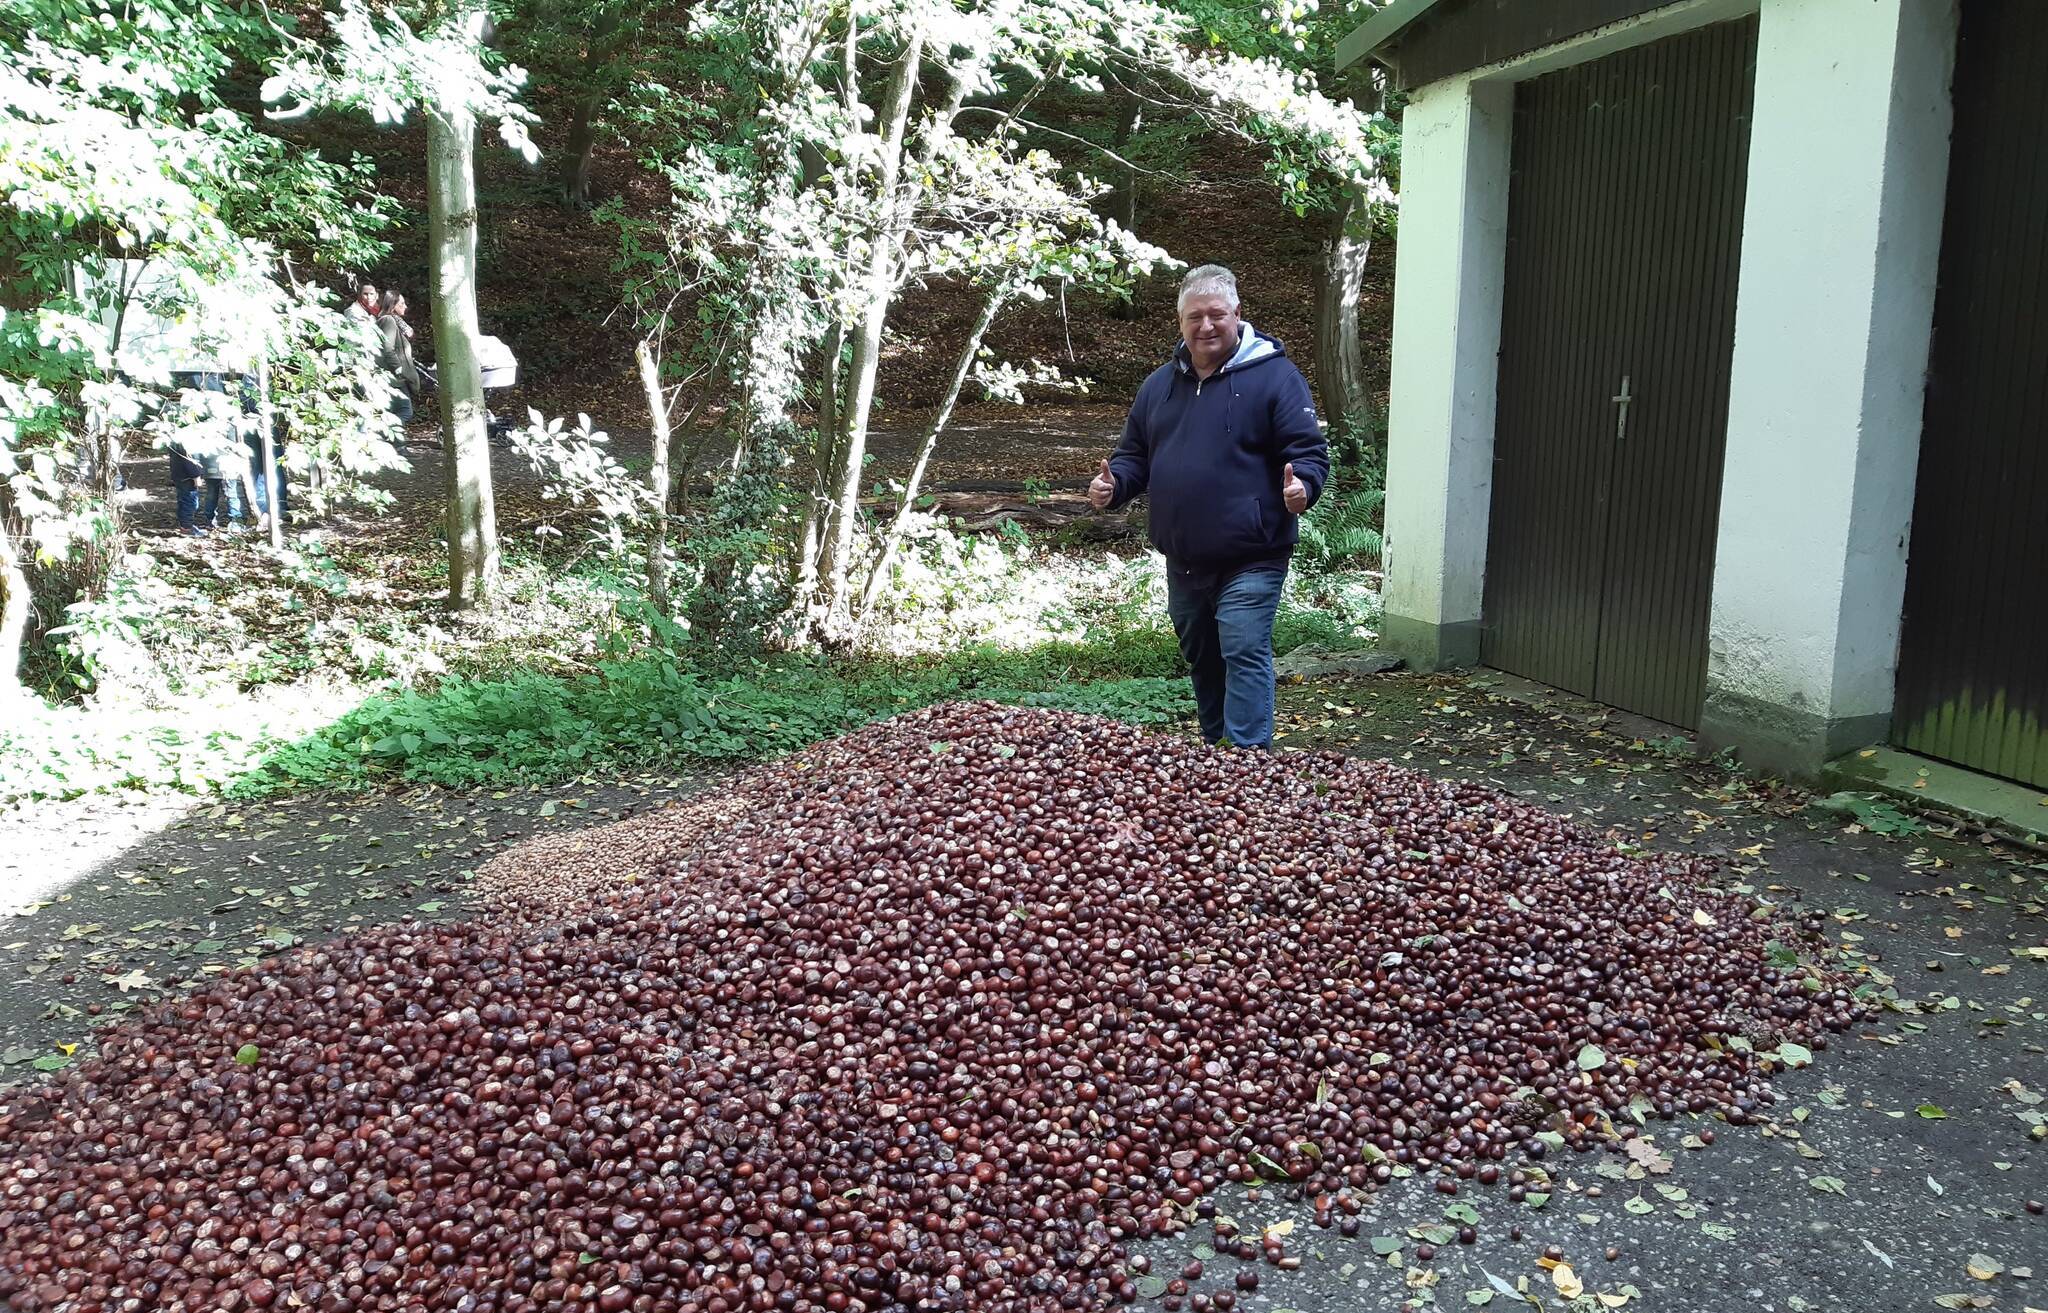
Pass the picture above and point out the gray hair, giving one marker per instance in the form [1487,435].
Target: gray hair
[1207,280]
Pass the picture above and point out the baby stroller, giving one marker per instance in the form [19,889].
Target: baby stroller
[501,373]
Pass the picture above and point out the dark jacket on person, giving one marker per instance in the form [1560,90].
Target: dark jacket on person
[395,355]
[1211,452]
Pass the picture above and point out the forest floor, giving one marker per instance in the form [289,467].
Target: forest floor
[1894,1165]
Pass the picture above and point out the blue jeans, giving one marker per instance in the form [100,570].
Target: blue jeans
[284,492]
[1224,619]
[216,490]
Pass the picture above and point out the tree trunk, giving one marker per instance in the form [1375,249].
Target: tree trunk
[14,606]
[1340,274]
[877,292]
[657,479]
[266,426]
[894,538]
[582,143]
[813,547]
[451,238]
[577,154]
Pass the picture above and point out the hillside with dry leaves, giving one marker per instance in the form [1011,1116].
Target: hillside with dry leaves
[549,290]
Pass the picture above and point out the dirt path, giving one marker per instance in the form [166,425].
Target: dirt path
[987,449]
[1900,1154]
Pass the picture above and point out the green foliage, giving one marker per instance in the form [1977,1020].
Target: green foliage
[735,559]
[649,709]
[1344,527]
[136,190]
[1271,70]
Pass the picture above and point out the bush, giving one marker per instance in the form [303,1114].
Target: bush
[1344,528]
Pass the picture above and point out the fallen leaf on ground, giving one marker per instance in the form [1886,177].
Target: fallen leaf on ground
[1646,1153]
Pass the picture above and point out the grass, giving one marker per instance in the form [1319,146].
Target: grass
[468,730]
[315,677]
[530,728]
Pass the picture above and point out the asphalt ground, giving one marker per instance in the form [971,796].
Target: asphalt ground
[1892,1175]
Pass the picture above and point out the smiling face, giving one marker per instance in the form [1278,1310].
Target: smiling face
[1209,325]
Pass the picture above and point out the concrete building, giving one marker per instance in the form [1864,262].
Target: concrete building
[1720,376]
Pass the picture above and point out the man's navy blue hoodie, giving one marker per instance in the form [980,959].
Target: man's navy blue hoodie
[1210,450]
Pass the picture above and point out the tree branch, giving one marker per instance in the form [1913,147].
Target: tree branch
[1094,146]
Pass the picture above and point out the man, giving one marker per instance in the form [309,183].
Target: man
[1224,436]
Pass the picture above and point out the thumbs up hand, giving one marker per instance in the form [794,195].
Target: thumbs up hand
[1102,490]
[1293,491]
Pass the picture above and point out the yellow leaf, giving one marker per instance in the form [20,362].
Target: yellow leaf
[1953,931]
[1701,918]
[1567,1281]
[1614,1300]
[67,1049]
[1279,1230]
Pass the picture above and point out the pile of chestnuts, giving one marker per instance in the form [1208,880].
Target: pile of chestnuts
[936,1016]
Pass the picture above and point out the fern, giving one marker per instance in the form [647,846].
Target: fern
[1344,527]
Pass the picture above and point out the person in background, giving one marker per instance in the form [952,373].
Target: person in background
[226,466]
[364,308]
[187,478]
[188,473]
[265,506]
[258,485]
[395,354]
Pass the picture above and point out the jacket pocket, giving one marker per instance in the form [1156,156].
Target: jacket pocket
[1243,528]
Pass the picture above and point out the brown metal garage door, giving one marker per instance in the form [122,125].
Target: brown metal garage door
[1973,660]
[1624,238]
